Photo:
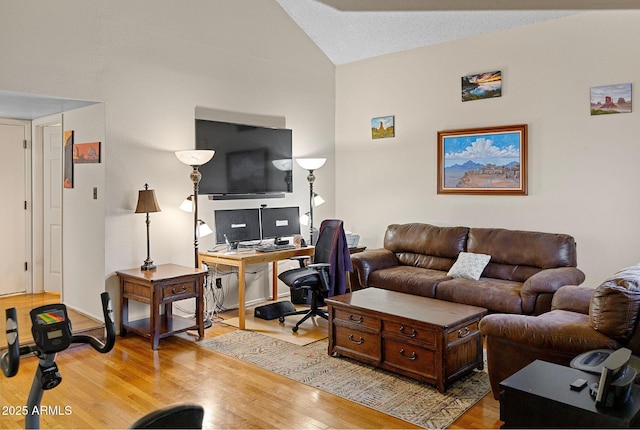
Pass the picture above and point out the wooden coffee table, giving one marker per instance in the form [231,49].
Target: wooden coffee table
[431,340]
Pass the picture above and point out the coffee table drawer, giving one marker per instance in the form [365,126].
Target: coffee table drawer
[411,358]
[410,331]
[356,317]
[357,344]
[471,329]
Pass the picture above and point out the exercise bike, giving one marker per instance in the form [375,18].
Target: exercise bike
[51,329]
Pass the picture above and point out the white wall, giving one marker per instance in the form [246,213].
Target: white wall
[152,62]
[83,255]
[583,175]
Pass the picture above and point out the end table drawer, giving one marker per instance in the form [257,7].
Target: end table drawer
[171,291]
[353,342]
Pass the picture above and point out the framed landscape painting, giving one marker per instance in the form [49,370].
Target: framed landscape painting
[490,160]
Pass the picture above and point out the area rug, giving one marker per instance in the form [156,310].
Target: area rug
[395,395]
[311,330]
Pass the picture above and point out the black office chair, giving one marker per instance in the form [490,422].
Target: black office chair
[182,416]
[326,276]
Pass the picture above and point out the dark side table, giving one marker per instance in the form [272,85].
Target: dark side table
[162,286]
[539,396]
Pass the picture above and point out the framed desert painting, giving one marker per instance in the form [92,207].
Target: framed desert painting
[491,160]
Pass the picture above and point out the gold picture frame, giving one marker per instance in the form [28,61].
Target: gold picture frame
[488,160]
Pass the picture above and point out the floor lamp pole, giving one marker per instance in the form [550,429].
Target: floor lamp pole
[311,178]
[195,178]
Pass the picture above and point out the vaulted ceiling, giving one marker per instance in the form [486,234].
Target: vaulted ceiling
[351,30]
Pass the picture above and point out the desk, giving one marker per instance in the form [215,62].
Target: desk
[243,259]
[166,284]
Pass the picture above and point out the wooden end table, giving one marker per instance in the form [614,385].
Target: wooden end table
[431,340]
[538,396]
[162,286]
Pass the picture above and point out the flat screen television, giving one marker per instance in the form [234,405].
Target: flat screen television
[250,161]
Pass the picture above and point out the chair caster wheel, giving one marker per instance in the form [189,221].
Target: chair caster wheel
[281,319]
[295,329]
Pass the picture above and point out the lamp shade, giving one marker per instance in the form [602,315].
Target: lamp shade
[196,157]
[284,164]
[311,163]
[203,229]
[187,204]
[147,202]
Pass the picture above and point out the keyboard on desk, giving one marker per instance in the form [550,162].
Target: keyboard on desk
[272,248]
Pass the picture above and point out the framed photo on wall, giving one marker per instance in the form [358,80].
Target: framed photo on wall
[491,160]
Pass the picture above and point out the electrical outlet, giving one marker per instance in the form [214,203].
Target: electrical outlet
[218,282]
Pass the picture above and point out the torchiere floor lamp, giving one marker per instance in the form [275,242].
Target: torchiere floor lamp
[311,164]
[195,159]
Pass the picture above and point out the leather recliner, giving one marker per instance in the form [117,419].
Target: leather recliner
[581,319]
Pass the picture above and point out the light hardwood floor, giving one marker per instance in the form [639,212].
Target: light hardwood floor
[113,390]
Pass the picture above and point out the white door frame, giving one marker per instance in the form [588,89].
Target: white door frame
[26,125]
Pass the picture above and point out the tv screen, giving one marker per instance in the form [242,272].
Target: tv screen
[248,160]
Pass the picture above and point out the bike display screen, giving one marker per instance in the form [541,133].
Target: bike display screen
[51,327]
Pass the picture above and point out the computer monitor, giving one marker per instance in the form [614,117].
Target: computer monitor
[237,225]
[280,222]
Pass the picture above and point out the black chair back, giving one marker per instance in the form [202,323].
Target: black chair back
[325,244]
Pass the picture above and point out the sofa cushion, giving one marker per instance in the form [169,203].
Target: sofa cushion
[469,265]
[517,255]
[425,245]
[408,279]
[495,294]
[615,304]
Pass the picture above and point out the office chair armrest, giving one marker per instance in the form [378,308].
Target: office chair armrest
[321,266]
[301,259]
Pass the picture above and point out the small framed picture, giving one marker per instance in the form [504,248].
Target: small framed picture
[383,127]
[86,152]
[611,99]
[482,86]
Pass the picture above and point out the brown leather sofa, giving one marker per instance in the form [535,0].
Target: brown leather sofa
[582,319]
[525,269]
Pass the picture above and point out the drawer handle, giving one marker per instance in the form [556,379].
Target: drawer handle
[173,290]
[413,355]
[412,334]
[359,320]
[463,332]
[357,342]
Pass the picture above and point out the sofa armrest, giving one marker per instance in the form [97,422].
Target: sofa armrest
[573,298]
[369,261]
[548,281]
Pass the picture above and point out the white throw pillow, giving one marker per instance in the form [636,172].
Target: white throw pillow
[469,265]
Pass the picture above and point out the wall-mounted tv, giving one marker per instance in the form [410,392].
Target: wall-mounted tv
[250,161]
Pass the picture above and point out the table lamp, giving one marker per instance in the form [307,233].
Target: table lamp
[147,203]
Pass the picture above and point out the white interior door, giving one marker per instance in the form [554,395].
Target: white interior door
[52,197]
[13,195]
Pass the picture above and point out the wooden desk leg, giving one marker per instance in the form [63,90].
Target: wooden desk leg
[274,280]
[241,296]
